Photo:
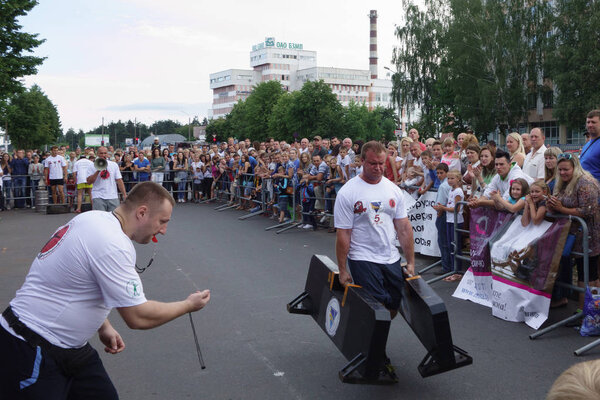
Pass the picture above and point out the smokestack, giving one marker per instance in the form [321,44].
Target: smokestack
[373,44]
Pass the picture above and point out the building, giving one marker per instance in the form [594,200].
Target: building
[292,65]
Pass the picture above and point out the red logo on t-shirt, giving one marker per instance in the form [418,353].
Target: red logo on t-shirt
[54,241]
[359,208]
[392,203]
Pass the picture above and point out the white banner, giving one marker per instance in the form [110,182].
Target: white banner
[422,217]
[475,287]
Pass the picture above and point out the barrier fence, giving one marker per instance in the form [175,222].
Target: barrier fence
[258,195]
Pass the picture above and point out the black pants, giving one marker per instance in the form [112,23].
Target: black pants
[28,372]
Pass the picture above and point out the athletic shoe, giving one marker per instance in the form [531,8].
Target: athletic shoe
[323,219]
[307,226]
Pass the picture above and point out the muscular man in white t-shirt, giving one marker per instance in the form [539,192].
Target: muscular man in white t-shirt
[55,170]
[369,212]
[86,268]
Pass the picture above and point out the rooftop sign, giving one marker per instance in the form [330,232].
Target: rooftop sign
[270,42]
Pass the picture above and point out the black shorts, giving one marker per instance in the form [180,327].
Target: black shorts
[384,282]
[28,372]
[57,182]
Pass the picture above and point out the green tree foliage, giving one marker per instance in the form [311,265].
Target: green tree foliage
[313,110]
[32,119]
[471,61]
[259,106]
[574,58]
[316,111]
[15,48]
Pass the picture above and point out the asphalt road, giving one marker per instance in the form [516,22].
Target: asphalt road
[254,349]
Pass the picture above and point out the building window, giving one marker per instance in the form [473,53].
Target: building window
[532,100]
[575,136]
[548,98]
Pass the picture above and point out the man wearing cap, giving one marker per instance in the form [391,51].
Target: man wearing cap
[319,149]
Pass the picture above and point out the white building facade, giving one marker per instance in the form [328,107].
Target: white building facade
[292,66]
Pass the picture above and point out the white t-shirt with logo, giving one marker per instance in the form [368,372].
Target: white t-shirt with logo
[86,268]
[458,192]
[369,210]
[107,188]
[55,166]
[84,168]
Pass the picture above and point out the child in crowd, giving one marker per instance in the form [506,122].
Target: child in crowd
[450,157]
[519,188]
[440,222]
[535,203]
[280,184]
[414,177]
[198,177]
[344,161]
[71,189]
[428,180]
[355,168]
[332,186]
[455,195]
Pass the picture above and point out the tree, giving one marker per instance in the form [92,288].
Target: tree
[32,119]
[281,126]
[316,111]
[573,60]
[15,46]
[259,105]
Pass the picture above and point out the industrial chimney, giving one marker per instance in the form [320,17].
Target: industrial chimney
[373,44]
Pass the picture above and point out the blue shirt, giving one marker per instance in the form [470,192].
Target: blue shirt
[590,157]
[142,176]
[442,193]
[20,166]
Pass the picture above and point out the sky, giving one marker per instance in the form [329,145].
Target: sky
[148,60]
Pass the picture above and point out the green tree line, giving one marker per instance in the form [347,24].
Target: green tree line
[270,111]
[485,64]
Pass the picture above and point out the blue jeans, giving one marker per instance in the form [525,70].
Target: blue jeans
[181,189]
[446,256]
[7,187]
[19,183]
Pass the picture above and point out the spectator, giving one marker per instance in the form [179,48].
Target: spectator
[344,161]
[485,171]
[141,166]
[414,135]
[55,169]
[198,177]
[514,145]
[576,193]
[281,184]
[534,161]
[407,158]
[81,170]
[318,173]
[6,180]
[36,173]
[454,196]
[506,172]
[126,169]
[451,158]
[246,174]
[303,145]
[580,382]
[525,139]
[357,148]
[519,188]
[332,186]
[429,143]
[180,166]
[441,199]
[391,171]
[20,170]
[104,190]
[157,166]
[590,153]
[428,180]
[550,161]
[459,141]
[304,165]
[217,173]
[472,161]
[535,207]
[293,155]
[347,143]
[168,171]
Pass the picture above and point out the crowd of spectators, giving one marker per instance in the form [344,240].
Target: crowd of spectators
[526,178]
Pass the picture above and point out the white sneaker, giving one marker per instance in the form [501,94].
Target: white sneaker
[323,219]
[307,226]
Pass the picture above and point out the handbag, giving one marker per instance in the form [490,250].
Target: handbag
[289,190]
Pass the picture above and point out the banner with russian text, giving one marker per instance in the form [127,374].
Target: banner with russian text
[476,284]
[422,218]
[524,263]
